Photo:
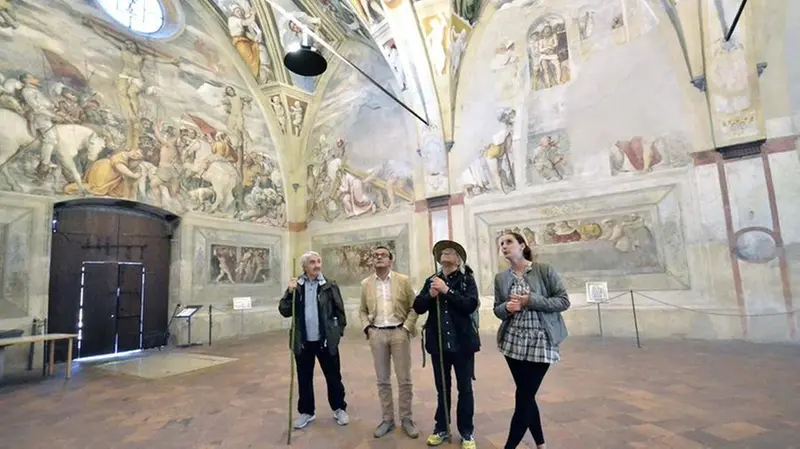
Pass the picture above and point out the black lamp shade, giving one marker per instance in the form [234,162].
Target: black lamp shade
[305,61]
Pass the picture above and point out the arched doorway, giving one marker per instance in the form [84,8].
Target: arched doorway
[109,275]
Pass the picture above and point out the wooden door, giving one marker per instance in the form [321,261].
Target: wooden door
[136,240]
[129,306]
[98,310]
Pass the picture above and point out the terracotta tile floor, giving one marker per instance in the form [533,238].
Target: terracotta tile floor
[605,394]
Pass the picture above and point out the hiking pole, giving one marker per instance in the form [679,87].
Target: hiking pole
[445,392]
[291,361]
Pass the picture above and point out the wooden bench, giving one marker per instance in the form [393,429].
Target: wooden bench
[37,339]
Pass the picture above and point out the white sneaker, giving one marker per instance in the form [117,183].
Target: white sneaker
[341,417]
[303,420]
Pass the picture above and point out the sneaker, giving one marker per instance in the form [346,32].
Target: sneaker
[410,428]
[438,438]
[303,420]
[468,442]
[384,428]
[341,417]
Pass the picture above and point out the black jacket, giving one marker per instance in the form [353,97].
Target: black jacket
[457,305]
[332,316]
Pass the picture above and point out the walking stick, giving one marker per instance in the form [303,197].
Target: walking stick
[291,362]
[445,397]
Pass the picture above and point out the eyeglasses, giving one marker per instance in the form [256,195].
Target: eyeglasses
[380,255]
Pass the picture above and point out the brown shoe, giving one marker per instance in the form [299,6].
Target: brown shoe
[384,428]
[410,428]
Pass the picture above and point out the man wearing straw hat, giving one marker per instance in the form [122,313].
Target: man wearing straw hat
[450,297]
[320,324]
[389,321]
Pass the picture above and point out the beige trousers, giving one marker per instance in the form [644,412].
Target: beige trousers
[392,345]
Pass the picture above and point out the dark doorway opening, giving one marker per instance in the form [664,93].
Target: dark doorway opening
[109,275]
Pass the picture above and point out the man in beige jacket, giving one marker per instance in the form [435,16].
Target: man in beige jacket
[389,322]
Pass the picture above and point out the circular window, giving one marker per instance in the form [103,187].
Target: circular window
[141,16]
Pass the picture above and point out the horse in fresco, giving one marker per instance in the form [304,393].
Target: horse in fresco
[16,137]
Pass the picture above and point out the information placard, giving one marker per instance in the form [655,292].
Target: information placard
[243,303]
[188,311]
[597,292]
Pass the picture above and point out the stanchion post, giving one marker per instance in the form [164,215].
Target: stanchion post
[600,320]
[209,324]
[635,321]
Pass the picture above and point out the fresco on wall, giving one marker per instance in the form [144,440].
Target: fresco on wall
[468,10]
[349,264]
[548,52]
[459,34]
[548,157]
[297,114]
[361,145]
[613,244]
[247,37]
[346,17]
[640,155]
[278,106]
[494,167]
[119,117]
[238,265]
[392,54]
[436,29]
[371,11]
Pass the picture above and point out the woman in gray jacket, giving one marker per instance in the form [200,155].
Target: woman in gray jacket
[529,297]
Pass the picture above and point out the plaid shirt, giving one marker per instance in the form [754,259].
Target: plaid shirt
[525,337]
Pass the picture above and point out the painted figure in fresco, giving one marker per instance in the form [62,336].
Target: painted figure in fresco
[166,182]
[393,57]
[297,112]
[42,114]
[351,190]
[248,40]
[457,48]
[8,94]
[548,160]
[396,177]
[321,319]
[548,54]
[226,258]
[234,106]
[467,9]
[280,112]
[7,17]
[131,83]
[115,176]
[374,11]
[436,43]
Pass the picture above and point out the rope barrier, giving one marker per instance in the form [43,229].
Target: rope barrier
[688,309]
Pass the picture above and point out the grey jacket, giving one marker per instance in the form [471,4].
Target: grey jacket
[548,299]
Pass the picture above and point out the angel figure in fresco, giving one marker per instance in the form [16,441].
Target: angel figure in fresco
[435,41]
[131,82]
[248,39]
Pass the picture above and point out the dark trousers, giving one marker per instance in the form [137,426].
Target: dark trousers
[527,377]
[331,368]
[463,365]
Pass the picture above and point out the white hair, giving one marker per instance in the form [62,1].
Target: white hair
[308,255]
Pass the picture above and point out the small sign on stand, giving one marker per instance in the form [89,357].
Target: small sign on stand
[241,304]
[187,313]
[597,293]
